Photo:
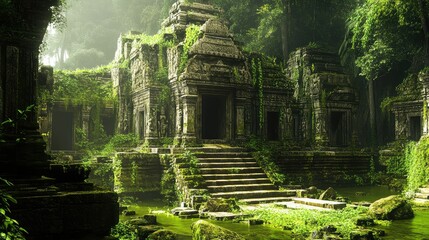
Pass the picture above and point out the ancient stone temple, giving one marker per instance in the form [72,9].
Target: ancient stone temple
[326,101]
[192,86]
[216,93]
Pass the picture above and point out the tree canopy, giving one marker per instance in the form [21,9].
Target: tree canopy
[382,33]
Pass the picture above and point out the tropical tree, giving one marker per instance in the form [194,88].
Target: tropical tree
[382,34]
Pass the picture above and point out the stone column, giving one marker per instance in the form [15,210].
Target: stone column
[424,79]
[321,135]
[240,129]
[151,130]
[22,147]
[189,119]
[240,117]
[86,116]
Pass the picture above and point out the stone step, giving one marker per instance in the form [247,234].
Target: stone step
[203,150]
[422,195]
[231,170]
[224,155]
[221,182]
[241,187]
[208,160]
[424,190]
[420,201]
[320,203]
[235,176]
[227,164]
[255,194]
[265,200]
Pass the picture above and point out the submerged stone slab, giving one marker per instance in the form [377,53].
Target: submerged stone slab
[221,216]
[320,203]
[293,205]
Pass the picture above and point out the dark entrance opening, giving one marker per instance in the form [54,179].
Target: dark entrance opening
[62,131]
[141,125]
[273,120]
[213,116]
[338,134]
[109,125]
[296,125]
[415,128]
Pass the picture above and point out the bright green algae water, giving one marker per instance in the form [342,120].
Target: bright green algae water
[416,228]
[183,226]
[413,229]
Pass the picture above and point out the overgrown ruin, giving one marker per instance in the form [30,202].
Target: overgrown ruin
[195,116]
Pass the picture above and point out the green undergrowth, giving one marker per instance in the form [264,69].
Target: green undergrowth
[81,87]
[266,154]
[9,227]
[410,161]
[417,161]
[303,222]
[190,170]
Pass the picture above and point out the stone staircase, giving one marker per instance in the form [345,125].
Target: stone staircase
[234,173]
[422,195]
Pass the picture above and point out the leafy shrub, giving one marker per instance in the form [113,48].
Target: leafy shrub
[9,227]
[303,222]
[123,231]
[265,154]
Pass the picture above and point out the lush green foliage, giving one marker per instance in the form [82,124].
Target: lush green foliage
[266,154]
[124,231]
[382,33]
[87,87]
[304,222]
[417,161]
[409,90]
[168,183]
[9,227]
[119,141]
[192,35]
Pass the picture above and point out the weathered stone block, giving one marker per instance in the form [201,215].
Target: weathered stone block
[391,208]
[205,230]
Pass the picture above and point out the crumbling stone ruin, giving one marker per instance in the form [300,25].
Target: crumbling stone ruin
[213,92]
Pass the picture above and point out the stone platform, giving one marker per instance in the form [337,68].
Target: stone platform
[49,210]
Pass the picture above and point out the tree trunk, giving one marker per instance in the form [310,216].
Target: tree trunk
[372,117]
[285,29]
[425,26]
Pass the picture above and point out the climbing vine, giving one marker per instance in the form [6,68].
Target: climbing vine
[417,161]
[258,83]
[192,35]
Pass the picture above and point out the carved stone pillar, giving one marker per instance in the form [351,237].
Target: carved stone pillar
[86,116]
[151,129]
[240,123]
[321,134]
[189,116]
[424,79]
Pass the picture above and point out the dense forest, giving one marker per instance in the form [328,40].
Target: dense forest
[376,37]
[88,37]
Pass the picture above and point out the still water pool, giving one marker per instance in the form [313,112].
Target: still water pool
[412,229]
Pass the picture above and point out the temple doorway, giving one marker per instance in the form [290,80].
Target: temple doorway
[213,116]
[273,121]
[62,131]
[338,127]
[415,128]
